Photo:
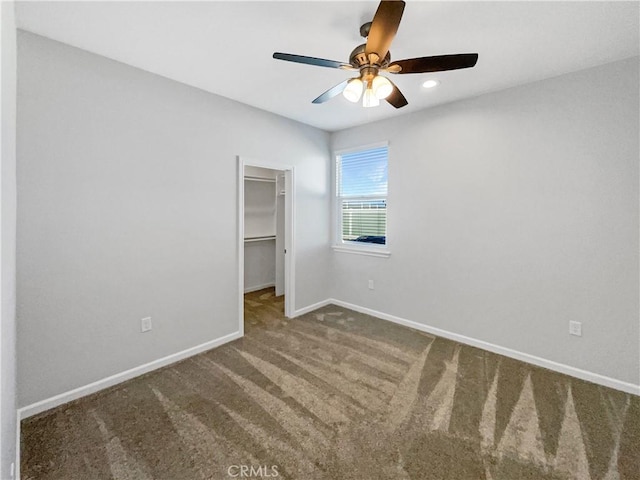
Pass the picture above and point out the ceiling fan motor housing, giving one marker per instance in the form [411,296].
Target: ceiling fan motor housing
[359,58]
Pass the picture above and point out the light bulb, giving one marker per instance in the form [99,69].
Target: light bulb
[369,99]
[353,90]
[431,83]
[381,87]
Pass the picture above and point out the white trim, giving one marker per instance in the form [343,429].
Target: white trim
[76,393]
[311,308]
[16,475]
[371,252]
[98,385]
[507,352]
[240,252]
[259,287]
[337,243]
[290,242]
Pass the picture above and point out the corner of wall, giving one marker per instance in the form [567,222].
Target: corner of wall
[8,420]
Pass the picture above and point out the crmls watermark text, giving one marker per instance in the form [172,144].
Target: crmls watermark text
[251,471]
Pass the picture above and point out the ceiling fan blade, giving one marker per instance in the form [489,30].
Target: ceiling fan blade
[332,92]
[320,62]
[384,27]
[397,98]
[435,64]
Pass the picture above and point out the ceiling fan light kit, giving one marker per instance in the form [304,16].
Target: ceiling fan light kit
[381,87]
[353,90]
[369,99]
[373,57]
[377,89]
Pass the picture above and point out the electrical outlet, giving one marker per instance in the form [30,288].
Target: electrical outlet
[145,324]
[575,328]
[370,284]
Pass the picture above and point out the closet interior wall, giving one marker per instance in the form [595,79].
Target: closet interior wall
[263,214]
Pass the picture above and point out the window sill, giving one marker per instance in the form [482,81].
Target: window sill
[371,252]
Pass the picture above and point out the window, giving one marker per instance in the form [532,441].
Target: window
[361,194]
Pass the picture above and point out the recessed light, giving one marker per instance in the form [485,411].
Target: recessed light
[431,83]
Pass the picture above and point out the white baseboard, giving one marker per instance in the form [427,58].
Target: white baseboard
[93,387]
[79,392]
[259,287]
[311,308]
[507,352]
[255,288]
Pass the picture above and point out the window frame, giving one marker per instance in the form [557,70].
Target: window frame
[360,248]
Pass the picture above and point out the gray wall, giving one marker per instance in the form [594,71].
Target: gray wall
[511,214]
[127,190]
[8,292]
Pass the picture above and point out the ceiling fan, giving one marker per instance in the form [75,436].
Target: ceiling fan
[373,57]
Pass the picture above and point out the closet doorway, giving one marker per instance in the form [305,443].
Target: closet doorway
[265,234]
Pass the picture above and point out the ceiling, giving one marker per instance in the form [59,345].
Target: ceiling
[226,47]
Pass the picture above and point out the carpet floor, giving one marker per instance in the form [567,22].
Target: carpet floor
[339,395]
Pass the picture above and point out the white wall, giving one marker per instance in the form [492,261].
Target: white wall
[8,238]
[259,208]
[127,187]
[259,265]
[511,214]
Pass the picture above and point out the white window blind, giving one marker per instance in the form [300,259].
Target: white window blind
[361,178]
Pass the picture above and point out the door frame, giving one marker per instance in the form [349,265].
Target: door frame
[289,234]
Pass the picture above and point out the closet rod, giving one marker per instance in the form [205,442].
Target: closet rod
[260,179]
[259,239]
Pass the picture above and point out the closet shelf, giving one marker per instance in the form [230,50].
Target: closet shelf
[259,239]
